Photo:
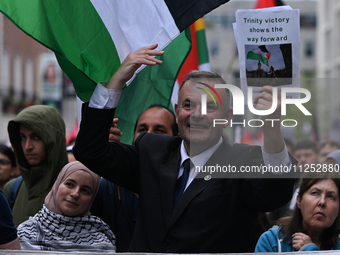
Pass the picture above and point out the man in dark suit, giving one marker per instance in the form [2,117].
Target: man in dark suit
[117,206]
[212,214]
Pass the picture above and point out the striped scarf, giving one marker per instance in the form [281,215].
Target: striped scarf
[54,232]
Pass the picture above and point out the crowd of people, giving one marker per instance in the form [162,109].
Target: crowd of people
[100,195]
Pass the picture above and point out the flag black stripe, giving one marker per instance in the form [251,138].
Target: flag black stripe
[186,12]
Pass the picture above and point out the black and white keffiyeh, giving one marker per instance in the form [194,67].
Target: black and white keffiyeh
[53,232]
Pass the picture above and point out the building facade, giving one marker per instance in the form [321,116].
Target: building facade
[22,76]
[328,67]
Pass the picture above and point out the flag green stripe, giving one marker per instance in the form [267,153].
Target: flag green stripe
[203,55]
[57,27]
[153,85]
[85,86]
[82,47]
[255,56]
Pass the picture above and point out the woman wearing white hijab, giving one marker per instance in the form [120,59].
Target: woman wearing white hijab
[65,222]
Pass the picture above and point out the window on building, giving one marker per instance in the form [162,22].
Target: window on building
[236,74]
[337,33]
[17,76]
[5,73]
[219,21]
[227,21]
[214,49]
[308,21]
[29,78]
[309,49]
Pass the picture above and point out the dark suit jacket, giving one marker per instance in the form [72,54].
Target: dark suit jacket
[117,207]
[211,216]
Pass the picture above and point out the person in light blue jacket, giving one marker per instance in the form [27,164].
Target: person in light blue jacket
[314,224]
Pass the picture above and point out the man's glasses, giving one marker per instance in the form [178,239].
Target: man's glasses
[4,162]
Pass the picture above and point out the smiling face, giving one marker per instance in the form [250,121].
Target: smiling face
[196,129]
[155,120]
[319,206]
[75,193]
[33,146]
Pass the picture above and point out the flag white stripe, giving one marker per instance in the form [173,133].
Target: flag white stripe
[260,52]
[174,96]
[123,21]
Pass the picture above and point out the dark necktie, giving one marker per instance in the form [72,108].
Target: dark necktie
[182,181]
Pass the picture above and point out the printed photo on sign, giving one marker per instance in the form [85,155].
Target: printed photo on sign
[268,64]
[268,42]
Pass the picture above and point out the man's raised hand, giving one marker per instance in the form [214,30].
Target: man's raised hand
[143,56]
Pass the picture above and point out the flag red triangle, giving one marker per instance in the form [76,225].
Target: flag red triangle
[191,62]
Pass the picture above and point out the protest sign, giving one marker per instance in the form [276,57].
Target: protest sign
[268,43]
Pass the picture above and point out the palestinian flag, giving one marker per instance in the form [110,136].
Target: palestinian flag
[261,54]
[198,58]
[92,37]
[153,85]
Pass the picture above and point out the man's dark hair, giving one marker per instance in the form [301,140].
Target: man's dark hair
[174,126]
[305,144]
[331,143]
[197,74]
[9,153]
[289,142]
